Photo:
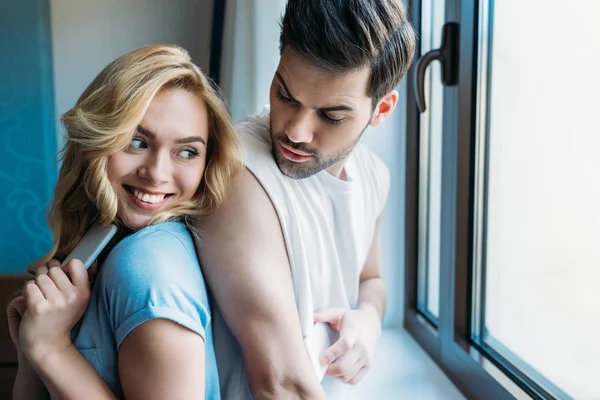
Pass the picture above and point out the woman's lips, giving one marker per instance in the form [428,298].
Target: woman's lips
[145,200]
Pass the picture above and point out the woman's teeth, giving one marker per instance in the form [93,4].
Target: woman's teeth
[147,198]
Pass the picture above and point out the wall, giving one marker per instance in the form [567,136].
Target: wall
[27,144]
[388,141]
[250,53]
[87,35]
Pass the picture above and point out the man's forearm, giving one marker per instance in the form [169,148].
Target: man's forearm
[293,389]
[273,380]
[372,295]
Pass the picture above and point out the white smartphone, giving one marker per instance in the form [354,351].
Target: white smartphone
[91,244]
[319,339]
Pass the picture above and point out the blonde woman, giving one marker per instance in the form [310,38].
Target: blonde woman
[149,147]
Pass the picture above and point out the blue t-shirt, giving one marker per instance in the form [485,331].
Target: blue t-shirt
[153,273]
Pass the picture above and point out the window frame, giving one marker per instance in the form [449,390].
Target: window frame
[477,372]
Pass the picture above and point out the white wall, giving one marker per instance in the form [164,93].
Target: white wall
[250,53]
[88,34]
[388,141]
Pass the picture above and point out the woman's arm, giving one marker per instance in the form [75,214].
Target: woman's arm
[68,375]
[161,359]
[55,303]
[28,385]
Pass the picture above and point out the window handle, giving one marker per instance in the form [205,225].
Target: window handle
[447,55]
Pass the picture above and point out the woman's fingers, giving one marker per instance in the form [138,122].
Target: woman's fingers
[32,293]
[60,279]
[47,287]
[78,273]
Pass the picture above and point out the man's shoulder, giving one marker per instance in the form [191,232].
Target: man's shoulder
[370,163]
[255,124]
[246,201]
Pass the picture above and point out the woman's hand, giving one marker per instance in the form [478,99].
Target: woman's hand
[14,312]
[55,302]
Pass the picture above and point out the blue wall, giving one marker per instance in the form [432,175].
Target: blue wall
[27,132]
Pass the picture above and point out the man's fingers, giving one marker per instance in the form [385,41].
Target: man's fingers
[346,366]
[53,263]
[43,270]
[344,343]
[332,316]
[358,377]
[78,273]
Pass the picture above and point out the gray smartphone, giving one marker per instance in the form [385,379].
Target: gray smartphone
[91,244]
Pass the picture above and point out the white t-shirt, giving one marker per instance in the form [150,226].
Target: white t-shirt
[328,226]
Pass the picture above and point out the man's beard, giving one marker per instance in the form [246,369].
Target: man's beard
[316,164]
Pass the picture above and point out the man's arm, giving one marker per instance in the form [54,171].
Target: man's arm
[371,292]
[360,329]
[244,259]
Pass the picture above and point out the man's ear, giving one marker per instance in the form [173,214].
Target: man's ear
[384,108]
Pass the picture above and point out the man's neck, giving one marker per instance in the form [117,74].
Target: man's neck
[337,170]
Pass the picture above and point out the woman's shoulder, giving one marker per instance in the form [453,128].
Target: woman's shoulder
[154,273]
[160,237]
[158,253]
[169,240]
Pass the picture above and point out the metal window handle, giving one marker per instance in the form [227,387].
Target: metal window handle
[447,55]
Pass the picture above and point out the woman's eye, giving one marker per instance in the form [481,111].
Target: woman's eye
[188,153]
[137,143]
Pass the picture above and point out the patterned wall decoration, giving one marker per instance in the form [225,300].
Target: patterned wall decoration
[28,167]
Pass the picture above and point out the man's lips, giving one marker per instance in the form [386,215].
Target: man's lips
[293,154]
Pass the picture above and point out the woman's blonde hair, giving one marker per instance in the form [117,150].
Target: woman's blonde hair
[103,123]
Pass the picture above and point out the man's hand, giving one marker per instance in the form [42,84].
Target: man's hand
[55,302]
[350,357]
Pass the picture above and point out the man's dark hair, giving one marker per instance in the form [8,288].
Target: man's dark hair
[339,36]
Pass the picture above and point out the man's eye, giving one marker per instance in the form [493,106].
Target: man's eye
[282,98]
[330,120]
[137,143]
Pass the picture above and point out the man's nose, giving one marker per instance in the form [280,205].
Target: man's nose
[299,128]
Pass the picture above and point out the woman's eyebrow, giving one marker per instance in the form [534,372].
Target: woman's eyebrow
[152,135]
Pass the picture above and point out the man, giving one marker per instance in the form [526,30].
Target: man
[298,239]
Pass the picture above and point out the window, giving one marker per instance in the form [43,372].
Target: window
[502,179]
[432,20]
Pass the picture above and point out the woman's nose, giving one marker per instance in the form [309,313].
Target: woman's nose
[155,169]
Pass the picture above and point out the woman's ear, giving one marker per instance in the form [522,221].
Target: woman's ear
[384,108]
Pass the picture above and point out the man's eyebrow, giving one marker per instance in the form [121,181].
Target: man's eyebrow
[152,135]
[287,91]
[322,109]
[335,108]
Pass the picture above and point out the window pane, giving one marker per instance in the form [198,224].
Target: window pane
[432,21]
[541,236]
